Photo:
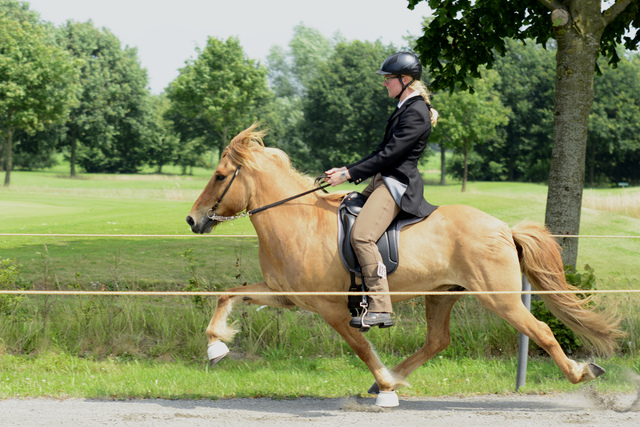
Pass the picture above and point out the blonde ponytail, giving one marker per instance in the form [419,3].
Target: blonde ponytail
[418,86]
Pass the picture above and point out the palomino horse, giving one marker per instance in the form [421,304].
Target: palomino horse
[456,248]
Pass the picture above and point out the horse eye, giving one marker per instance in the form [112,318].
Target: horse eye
[220,177]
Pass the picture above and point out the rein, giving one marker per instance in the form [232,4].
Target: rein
[219,218]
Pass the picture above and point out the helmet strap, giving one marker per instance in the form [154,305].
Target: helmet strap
[404,87]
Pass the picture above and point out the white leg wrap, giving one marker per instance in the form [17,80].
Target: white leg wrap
[387,399]
[217,349]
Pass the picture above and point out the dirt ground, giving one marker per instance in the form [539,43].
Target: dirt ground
[584,409]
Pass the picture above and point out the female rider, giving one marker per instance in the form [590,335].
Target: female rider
[396,185]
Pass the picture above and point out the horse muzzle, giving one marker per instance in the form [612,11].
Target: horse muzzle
[204,226]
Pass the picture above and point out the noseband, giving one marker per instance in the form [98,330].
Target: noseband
[211,213]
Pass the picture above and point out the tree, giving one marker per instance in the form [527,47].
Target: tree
[289,72]
[163,143]
[466,34]
[470,119]
[613,145]
[37,78]
[526,86]
[346,106]
[217,94]
[107,131]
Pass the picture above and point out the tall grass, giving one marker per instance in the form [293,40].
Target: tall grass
[625,202]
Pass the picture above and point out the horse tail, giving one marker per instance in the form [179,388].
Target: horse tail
[541,262]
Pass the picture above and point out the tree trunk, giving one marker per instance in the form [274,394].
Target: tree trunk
[592,165]
[578,46]
[443,178]
[466,169]
[74,151]
[7,157]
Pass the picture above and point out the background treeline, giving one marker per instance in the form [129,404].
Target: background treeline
[75,92]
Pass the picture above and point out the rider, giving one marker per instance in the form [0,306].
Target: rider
[397,184]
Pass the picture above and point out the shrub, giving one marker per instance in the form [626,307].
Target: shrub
[10,279]
[567,339]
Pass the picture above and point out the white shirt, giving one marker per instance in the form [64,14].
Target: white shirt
[411,95]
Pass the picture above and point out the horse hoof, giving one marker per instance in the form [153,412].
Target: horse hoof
[216,352]
[596,370]
[387,399]
[374,389]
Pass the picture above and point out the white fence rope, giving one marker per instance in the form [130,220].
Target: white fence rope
[291,293]
[247,235]
[220,293]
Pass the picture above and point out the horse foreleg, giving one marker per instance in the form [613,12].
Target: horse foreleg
[339,319]
[511,308]
[252,294]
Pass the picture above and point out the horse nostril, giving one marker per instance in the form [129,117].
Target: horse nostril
[190,221]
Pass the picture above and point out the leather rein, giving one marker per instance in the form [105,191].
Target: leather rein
[211,213]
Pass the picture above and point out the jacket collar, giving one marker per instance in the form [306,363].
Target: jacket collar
[405,105]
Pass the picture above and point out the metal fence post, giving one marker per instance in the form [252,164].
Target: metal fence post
[523,346]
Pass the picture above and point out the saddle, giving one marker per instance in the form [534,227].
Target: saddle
[388,245]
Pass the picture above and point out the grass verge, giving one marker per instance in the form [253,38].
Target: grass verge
[64,376]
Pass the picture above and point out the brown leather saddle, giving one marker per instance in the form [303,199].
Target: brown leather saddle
[388,245]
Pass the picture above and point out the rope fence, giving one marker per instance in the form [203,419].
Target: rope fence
[249,235]
[344,293]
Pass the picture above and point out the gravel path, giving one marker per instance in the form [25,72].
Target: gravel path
[512,410]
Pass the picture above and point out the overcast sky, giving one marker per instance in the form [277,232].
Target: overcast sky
[166,32]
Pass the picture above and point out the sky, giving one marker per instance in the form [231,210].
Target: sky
[167,32]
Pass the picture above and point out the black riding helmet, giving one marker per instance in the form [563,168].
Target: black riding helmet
[401,63]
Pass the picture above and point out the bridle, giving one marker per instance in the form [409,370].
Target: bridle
[211,213]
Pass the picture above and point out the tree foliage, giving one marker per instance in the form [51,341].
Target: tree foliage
[217,94]
[346,106]
[613,145]
[37,78]
[163,143]
[108,130]
[470,119]
[522,152]
[289,73]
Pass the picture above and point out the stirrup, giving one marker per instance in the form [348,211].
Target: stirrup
[357,322]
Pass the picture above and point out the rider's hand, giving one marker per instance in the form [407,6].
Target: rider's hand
[337,176]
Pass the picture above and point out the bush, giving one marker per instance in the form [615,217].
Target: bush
[567,339]
[10,279]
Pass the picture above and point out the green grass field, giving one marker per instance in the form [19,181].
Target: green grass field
[120,346]
[52,203]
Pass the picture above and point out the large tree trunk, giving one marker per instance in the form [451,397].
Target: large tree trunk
[578,45]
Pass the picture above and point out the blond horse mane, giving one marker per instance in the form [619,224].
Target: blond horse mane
[248,149]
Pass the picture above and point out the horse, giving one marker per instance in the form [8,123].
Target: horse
[457,248]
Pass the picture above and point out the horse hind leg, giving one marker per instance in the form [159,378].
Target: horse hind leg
[438,313]
[511,309]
